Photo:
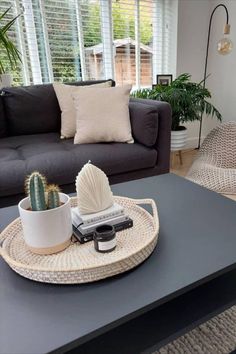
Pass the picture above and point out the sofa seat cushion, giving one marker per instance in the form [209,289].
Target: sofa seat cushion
[61,160]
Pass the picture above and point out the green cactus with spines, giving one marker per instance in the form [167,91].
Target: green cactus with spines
[35,188]
[53,196]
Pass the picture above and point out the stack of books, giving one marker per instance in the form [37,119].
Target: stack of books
[85,225]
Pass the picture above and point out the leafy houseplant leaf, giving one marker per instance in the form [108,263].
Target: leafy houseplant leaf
[188,99]
[7,47]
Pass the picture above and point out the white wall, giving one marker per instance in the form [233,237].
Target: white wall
[222,81]
[193,20]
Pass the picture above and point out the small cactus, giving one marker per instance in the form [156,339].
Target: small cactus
[53,196]
[35,188]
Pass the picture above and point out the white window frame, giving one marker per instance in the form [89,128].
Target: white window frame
[107,38]
[46,41]
[32,43]
[81,40]
[160,34]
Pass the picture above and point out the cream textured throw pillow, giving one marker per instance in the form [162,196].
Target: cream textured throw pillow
[68,114]
[103,115]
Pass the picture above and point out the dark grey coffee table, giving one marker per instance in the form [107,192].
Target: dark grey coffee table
[189,278]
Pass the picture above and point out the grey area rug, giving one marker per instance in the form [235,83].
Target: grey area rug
[216,336]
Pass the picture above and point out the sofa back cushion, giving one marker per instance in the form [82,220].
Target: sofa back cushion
[64,95]
[102,115]
[3,123]
[144,122]
[33,109]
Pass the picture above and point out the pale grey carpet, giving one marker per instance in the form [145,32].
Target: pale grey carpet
[216,336]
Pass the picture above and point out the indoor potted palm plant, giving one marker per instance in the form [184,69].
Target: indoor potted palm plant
[9,54]
[188,101]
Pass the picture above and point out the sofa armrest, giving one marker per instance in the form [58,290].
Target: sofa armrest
[162,144]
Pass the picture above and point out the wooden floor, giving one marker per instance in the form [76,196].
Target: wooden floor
[187,160]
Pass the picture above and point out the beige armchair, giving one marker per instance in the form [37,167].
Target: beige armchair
[215,163]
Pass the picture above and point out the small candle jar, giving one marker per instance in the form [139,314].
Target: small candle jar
[104,238]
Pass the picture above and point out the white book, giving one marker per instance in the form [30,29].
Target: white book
[88,229]
[87,224]
[114,211]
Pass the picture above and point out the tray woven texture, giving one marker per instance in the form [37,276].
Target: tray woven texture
[80,263]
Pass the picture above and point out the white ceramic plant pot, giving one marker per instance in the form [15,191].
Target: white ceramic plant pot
[46,231]
[178,139]
[6,80]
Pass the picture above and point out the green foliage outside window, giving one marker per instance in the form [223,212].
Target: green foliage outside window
[9,54]
[63,45]
[123,25]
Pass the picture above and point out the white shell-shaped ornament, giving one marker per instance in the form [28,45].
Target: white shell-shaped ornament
[93,190]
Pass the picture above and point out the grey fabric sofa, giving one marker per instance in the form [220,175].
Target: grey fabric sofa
[30,140]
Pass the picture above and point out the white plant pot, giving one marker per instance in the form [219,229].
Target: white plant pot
[178,139]
[46,231]
[6,80]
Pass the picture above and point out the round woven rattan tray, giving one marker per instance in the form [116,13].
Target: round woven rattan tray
[80,263]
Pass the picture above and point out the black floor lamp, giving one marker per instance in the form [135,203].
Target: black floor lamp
[224,46]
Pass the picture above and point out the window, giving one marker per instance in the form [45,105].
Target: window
[132,33]
[69,40]
[14,34]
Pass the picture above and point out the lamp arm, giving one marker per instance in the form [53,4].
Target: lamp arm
[209,35]
[206,58]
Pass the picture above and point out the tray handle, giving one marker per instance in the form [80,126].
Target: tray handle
[2,238]
[154,210]
[1,243]
[151,202]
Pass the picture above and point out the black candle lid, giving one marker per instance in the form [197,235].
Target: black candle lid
[104,233]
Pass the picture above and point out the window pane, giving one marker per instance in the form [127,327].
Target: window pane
[91,26]
[123,16]
[13,35]
[61,27]
[71,40]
